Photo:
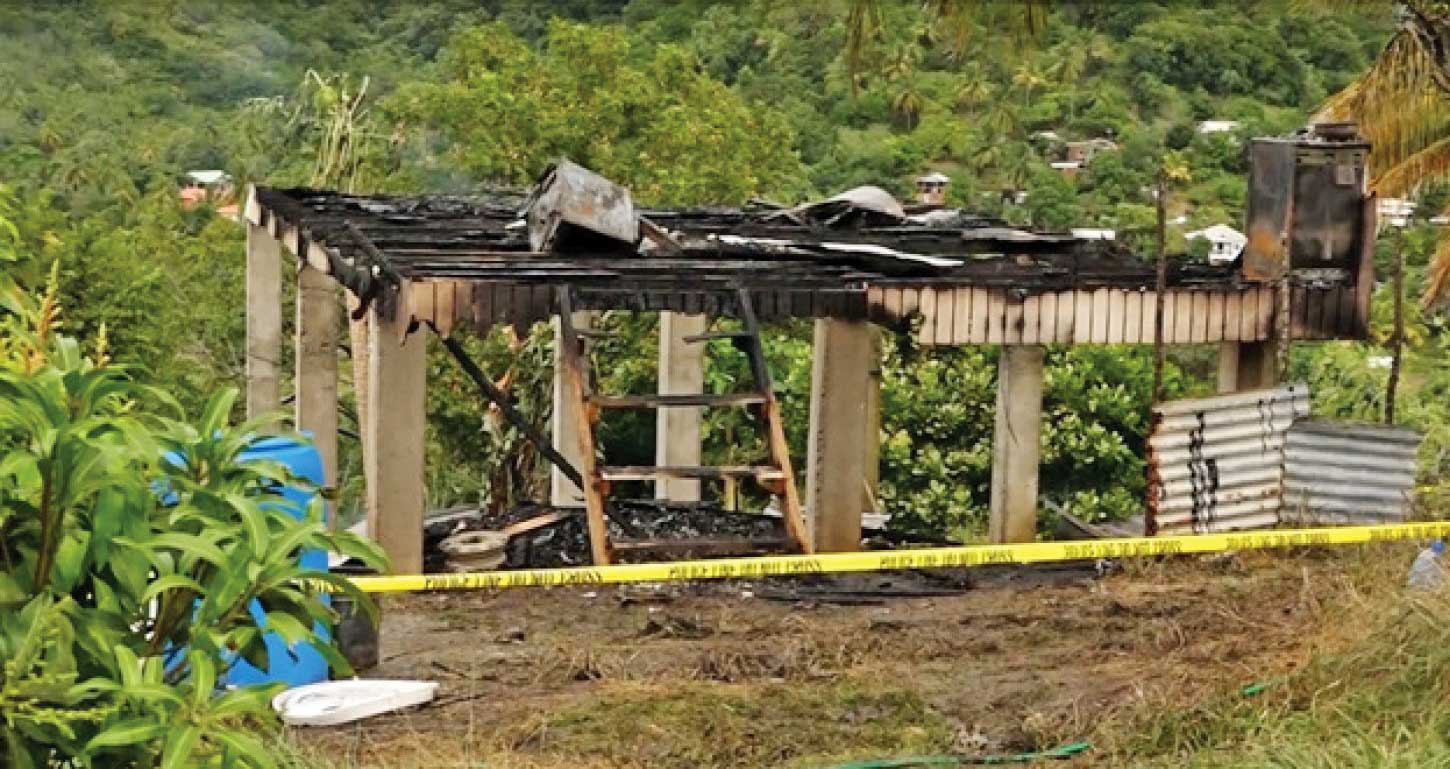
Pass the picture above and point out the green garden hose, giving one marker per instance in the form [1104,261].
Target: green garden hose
[1064,752]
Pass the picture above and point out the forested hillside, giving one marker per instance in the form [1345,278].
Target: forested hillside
[108,104]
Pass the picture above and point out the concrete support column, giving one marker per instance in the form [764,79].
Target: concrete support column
[836,460]
[264,321]
[677,430]
[394,440]
[1228,367]
[1246,366]
[1258,365]
[1016,444]
[871,446]
[316,377]
[562,491]
[359,335]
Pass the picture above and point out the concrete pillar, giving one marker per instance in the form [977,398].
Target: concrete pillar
[1257,365]
[394,440]
[835,459]
[871,446]
[264,321]
[316,377]
[360,336]
[1017,444]
[1228,367]
[677,430]
[562,491]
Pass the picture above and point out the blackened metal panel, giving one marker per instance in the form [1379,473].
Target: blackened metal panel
[1328,221]
[1271,177]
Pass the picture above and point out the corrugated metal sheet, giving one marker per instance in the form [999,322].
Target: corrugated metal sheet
[1216,464]
[1355,473]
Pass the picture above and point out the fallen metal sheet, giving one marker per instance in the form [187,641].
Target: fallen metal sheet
[1216,464]
[1354,473]
[573,203]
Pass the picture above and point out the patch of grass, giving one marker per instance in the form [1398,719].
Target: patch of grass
[713,725]
[1384,701]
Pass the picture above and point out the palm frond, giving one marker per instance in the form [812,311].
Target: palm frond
[1429,164]
[863,30]
[1398,109]
[1437,277]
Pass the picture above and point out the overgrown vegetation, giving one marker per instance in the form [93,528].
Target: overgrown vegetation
[133,543]
[1378,702]
[686,102]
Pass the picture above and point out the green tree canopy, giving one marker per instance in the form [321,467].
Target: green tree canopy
[656,124]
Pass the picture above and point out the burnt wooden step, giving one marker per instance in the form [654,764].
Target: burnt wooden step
[668,401]
[706,473]
[708,335]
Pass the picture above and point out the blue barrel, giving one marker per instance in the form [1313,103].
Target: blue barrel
[302,664]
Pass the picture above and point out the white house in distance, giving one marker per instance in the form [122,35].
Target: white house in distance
[1395,212]
[1225,242]
[931,189]
[1218,126]
[1094,233]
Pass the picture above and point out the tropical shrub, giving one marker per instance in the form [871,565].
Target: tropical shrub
[132,543]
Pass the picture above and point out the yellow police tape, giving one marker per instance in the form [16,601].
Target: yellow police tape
[926,558]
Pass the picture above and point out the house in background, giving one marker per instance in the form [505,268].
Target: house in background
[1082,152]
[209,186]
[1224,242]
[1395,212]
[931,189]
[1094,233]
[1218,126]
[1068,168]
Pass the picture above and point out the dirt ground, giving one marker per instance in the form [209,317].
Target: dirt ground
[792,674]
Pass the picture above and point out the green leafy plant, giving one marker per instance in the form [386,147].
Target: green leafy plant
[132,543]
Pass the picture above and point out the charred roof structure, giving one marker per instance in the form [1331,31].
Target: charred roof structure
[576,242]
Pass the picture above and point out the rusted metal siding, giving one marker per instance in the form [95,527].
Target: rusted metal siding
[1352,473]
[1216,464]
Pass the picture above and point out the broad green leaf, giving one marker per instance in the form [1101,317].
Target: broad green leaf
[246,748]
[290,628]
[170,582]
[17,757]
[217,409]
[179,747]
[191,545]
[126,733]
[203,677]
[254,518]
[245,700]
[70,560]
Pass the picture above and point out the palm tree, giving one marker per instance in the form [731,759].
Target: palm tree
[1075,57]
[975,87]
[1402,106]
[1004,119]
[957,23]
[908,102]
[1029,76]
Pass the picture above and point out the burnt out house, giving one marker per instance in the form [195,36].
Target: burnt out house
[576,245]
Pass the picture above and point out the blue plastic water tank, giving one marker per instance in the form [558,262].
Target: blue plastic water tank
[302,664]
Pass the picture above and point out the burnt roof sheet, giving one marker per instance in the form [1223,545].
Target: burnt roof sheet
[373,240]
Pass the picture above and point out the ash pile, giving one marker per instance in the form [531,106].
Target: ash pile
[533,536]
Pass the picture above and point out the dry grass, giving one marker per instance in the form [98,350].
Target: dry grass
[1147,664]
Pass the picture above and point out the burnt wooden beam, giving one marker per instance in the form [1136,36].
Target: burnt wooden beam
[499,398]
